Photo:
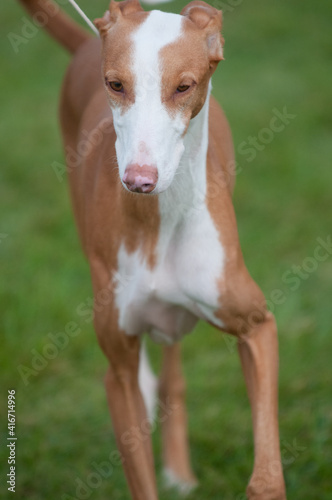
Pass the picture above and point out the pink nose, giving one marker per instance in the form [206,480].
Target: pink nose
[140,179]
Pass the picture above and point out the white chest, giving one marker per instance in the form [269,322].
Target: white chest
[166,301]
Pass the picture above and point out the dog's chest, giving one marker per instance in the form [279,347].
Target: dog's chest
[167,300]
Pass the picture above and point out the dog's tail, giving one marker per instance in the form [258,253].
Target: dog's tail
[49,15]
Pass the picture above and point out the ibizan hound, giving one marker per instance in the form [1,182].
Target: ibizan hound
[153,204]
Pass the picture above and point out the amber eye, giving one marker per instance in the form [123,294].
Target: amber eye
[116,86]
[182,88]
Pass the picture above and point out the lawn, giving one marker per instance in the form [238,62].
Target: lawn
[278,61]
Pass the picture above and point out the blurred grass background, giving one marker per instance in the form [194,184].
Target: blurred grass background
[277,54]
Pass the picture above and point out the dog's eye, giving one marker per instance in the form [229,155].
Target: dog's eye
[182,88]
[116,86]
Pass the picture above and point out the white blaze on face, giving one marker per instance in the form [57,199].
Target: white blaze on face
[146,132]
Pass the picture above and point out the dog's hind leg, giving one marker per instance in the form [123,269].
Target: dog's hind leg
[173,416]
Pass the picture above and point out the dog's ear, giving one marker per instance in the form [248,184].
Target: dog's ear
[208,19]
[116,9]
[126,7]
[103,24]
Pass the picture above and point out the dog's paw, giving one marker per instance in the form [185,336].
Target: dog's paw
[182,486]
[266,488]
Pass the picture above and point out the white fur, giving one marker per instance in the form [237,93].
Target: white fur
[183,285]
[171,480]
[148,383]
[151,301]
[146,133]
[186,220]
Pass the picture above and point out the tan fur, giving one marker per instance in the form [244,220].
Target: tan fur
[60,26]
[107,216]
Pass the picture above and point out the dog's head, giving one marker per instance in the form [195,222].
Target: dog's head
[157,68]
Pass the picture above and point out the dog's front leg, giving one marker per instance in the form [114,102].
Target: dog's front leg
[259,357]
[131,427]
[130,422]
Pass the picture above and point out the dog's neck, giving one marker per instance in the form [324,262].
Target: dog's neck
[186,195]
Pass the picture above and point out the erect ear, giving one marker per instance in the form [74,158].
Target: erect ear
[208,19]
[116,9]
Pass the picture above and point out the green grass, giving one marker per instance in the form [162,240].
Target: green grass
[277,54]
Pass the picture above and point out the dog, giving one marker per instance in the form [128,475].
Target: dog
[152,199]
